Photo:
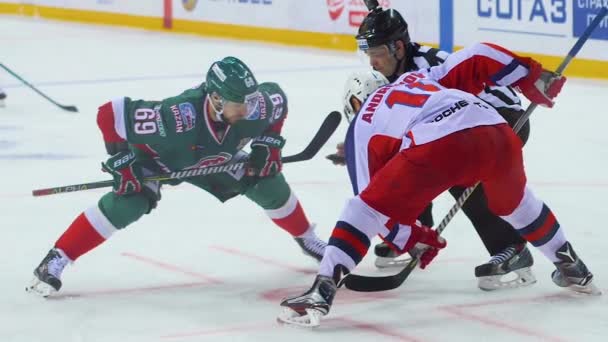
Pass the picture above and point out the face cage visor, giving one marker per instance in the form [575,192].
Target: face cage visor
[251,101]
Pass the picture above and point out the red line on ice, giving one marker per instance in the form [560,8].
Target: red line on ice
[170,267]
[263,260]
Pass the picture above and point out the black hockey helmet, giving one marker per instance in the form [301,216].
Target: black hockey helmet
[382,27]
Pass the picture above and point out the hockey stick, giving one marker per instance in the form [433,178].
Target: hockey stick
[327,128]
[68,108]
[361,283]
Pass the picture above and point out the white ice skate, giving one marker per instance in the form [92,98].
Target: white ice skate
[508,269]
[311,244]
[308,309]
[47,276]
[572,273]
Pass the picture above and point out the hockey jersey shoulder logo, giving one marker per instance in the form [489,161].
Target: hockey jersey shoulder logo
[184,115]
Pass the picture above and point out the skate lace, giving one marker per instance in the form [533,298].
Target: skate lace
[315,245]
[56,265]
[503,256]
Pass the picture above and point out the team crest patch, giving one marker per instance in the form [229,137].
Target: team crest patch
[188,115]
[254,115]
[213,160]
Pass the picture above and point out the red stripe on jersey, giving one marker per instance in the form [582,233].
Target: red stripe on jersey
[543,230]
[345,235]
[106,123]
[277,127]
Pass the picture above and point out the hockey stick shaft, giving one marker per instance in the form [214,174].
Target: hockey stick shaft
[64,107]
[371,284]
[327,128]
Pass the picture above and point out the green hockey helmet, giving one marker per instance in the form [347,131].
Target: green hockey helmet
[231,79]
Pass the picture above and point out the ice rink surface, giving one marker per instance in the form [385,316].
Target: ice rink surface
[197,270]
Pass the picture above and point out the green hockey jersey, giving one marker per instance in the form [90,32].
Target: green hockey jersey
[178,132]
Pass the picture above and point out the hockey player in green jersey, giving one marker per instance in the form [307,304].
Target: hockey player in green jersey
[203,126]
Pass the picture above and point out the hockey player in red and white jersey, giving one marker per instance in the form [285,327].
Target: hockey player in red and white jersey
[384,36]
[421,135]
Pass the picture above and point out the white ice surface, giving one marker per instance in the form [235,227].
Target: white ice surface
[196,270]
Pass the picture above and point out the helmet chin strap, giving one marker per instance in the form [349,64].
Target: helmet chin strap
[400,62]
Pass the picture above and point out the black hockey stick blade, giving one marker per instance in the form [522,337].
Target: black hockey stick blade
[328,127]
[64,107]
[69,108]
[362,283]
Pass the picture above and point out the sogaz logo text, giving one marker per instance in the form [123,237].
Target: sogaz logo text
[547,11]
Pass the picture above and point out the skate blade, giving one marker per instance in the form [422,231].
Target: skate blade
[311,319]
[382,262]
[40,288]
[524,277]
[589,289]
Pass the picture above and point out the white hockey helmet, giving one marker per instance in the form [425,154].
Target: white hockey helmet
[358,87]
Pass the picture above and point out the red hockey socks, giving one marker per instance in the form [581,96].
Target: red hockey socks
[290,217]
[90,229]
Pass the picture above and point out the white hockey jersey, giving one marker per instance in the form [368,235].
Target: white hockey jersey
[423,106]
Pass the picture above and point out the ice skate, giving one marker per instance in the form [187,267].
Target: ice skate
[572,273]
[2,98]
[311,244]
[47,276]
[306,310]
[387,257]
[507,269]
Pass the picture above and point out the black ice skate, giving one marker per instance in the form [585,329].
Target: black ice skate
[507,269]
[572,273]
[387,257]
[47,276]
[2,97]
[306,310]
[311,244]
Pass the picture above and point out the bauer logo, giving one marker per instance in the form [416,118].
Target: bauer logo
[218,72]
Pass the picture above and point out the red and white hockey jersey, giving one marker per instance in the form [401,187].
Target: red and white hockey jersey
[423,106]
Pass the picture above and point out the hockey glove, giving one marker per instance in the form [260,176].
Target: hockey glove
[338,158]
[425,236]
[126,171]
[540,86]
[265,157]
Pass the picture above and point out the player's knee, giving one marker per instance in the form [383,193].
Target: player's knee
[151,190]
[121,211]
[270,192]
